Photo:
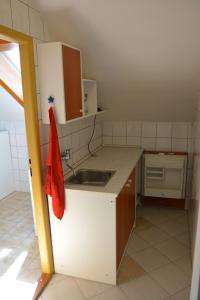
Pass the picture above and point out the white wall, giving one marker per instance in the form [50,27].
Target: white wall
[19,153]
[10,110]
[150,106]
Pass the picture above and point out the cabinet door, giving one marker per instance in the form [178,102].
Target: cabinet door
[72,82]
[122,222]
[132,200]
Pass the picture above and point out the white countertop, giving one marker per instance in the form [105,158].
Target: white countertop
[120,159]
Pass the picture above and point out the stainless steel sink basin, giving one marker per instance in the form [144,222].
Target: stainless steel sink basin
[90,177]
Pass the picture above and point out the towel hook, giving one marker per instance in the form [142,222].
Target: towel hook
[51,100]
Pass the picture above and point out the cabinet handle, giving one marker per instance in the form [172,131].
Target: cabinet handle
[130,180]
[128,185]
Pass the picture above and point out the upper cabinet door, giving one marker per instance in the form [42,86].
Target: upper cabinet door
[72,82]
[60,77]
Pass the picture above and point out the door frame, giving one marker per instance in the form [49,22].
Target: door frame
[25,43]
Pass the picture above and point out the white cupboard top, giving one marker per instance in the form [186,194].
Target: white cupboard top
[120,159]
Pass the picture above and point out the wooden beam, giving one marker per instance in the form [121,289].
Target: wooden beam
[10,91]
[6,45]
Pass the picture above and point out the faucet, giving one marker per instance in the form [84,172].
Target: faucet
[65,156]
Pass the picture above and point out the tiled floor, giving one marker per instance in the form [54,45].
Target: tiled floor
[157,264]
[19,257]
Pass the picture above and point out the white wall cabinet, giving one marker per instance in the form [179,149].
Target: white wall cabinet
[60,75]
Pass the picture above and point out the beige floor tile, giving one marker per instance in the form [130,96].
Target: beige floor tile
[182,295]
[150,259]
[129,270]
[156,215]
[153,235]
[18,235]
[136,244]
[57,277]
[142,224]
[112,294]
[144,288]
[171,278]
[185,264]
[172,249]
[90,288]
[173,228]
[64,289]
[183,238]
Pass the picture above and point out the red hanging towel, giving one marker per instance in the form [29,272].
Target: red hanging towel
[55,177]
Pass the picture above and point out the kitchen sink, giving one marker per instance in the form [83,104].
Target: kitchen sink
[91,177]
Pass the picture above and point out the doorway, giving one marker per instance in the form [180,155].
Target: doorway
[34,159]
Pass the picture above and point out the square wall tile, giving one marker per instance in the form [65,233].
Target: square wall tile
[21,140]
[164,129]
[107,140]
[163,144]
[119,128]
[5,13]
[149,129]
[133,141]
[148,143]
[180,130]
[134,128]
[75,141]
[189,130]
[179,145]
[107,128]
[20,16]
[36,24]
[119,140]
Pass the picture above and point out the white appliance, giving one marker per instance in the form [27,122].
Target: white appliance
[6,179]
[164,175]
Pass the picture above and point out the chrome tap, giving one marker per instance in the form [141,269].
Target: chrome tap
[65,156]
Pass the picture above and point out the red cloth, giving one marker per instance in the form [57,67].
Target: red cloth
[55,177]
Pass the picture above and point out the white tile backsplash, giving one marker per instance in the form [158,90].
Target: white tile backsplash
[149,129]
[134,141]
[107,128]
[107,140]
[119,140]
[164,129]
[134,128]
[163,144]
[159,136]
[180,130]
[179,145]
[148,143]
[119,129]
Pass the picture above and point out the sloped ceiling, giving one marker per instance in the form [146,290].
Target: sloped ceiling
[145,54]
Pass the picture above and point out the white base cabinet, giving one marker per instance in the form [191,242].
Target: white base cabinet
[84,241]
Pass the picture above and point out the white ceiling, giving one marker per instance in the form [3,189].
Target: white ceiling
[132,46]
